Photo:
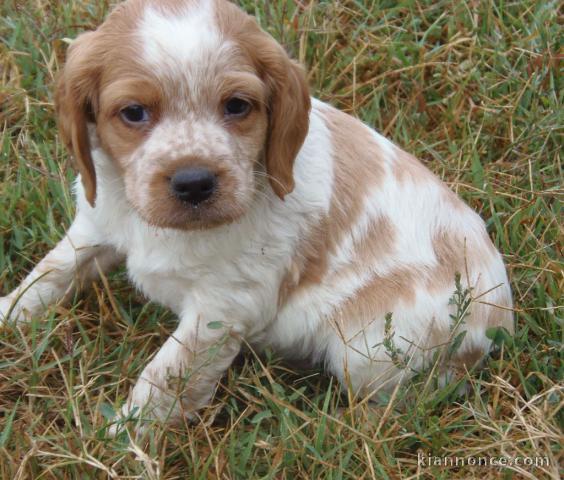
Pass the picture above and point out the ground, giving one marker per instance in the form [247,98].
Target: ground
[473,88]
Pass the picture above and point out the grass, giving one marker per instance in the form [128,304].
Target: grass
[472,87]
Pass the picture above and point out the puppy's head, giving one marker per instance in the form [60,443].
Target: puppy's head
[193,102]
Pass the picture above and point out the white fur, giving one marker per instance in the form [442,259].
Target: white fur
[173,42]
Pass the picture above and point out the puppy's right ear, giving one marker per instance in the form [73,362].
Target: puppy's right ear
[75,103]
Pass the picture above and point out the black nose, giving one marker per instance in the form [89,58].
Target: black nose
[193,185]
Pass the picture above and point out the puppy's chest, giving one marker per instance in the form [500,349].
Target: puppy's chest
[176,272]
[157,272]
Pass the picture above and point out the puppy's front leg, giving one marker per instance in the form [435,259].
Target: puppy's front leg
[183,375]
[75,260]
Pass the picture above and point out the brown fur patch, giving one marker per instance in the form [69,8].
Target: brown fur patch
[376,243]
[408,168]
[379,296]
[450,255]
[358,169]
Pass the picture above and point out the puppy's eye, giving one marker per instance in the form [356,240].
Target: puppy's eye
[237,107]
[134,114]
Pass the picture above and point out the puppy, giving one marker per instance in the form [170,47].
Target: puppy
[257,214]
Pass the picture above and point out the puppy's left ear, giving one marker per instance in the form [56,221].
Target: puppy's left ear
[288,123]
[289,108]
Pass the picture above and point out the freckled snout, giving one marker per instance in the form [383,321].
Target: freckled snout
[193,185]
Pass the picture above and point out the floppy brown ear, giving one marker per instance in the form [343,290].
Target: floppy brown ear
[290,104]
[75,98]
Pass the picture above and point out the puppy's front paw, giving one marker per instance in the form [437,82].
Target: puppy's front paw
[122,419]
[149,400]
[10,312]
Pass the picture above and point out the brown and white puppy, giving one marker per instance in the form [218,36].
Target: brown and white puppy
[254,212]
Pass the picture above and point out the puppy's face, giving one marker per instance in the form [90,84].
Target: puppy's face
[194,104]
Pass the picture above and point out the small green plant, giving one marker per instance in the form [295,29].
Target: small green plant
[462,300]
[395,353]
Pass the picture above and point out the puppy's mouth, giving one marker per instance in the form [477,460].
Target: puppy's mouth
[174,213]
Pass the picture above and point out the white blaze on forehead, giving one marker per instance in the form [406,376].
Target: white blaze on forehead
[171,39]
